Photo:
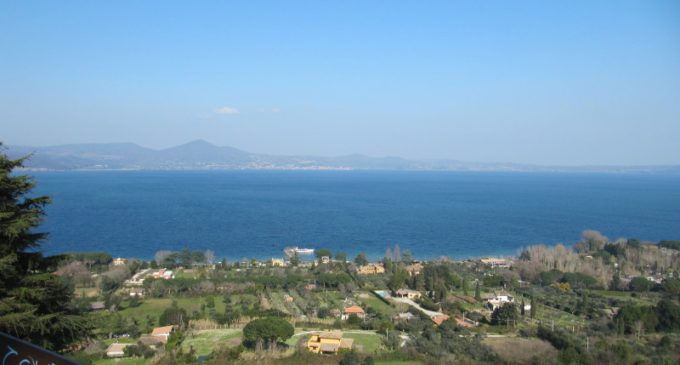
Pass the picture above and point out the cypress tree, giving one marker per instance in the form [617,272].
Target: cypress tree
[478,294]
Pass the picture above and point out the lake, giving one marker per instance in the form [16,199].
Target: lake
[241,214]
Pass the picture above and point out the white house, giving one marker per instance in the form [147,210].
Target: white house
[499,300]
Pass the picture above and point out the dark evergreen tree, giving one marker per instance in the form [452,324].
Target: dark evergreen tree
[505,314]
[35,305]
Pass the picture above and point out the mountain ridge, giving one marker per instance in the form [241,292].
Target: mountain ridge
[203,155]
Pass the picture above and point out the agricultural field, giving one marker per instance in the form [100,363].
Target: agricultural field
[376,304]
[368,343]
[155,306]
[515,350]
[204,342]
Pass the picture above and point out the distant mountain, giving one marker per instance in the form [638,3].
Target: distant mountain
[202,155]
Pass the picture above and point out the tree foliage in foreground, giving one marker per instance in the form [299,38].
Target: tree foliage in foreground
[267,332]
[35,305]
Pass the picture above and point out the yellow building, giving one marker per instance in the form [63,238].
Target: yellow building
[371,269]
[278,262]
[328,343]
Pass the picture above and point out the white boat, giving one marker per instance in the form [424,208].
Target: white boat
[291,251]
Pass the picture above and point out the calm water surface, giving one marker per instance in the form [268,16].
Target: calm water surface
[257,213]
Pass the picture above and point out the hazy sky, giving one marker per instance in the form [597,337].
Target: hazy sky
[548,82]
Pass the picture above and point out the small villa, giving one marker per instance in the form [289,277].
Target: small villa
[498,300]
[163,274]
[414,269]
[162,333]
[278,262]
[439,319]
[328,343]
[408,293]
[355,309]
[119,261]
[371,269]
[496,262]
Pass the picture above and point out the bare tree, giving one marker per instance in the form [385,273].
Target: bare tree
[397,253]
[209,257]
[76,271]
[161,255]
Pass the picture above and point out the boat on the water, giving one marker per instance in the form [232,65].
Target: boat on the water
[292,251]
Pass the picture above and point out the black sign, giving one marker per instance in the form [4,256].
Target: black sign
[14,351]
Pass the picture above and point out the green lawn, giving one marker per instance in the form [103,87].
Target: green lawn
[205,341]
[365,342]
[378,305]
[123,361]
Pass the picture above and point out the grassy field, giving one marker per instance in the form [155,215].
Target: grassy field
[368,343]
[644,298]
[123,361]
[521,350]
[378,305]
[205,341]
[156,306]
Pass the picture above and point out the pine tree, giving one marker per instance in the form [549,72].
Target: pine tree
[35,305]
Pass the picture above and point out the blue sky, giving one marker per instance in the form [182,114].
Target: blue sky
[546,82]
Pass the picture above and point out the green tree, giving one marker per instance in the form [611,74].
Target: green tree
[321,252]
[361,259]
[640,284]
[295,259]
[341,256]
[174,315]
[465,287]
[478,295]
[532,311]
[615,284]
[35,305]
[668,314]
[407,257]
[267,332]
[350,358]
[505,314]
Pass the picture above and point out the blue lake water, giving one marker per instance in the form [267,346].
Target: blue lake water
[241,214]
